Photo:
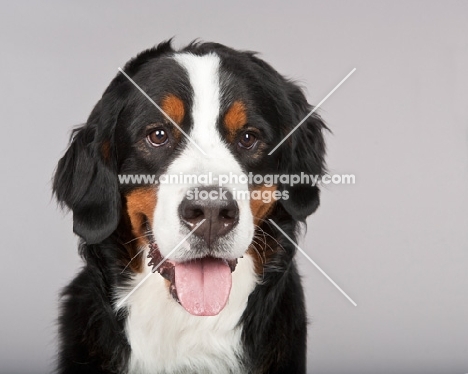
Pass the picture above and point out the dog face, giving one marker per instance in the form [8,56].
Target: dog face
[218,112]
[228,229]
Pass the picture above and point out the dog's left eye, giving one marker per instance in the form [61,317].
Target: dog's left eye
[157,137]
[247,140]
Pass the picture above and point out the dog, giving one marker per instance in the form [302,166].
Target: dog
[173,283]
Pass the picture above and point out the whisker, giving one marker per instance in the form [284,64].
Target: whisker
[144,236]
[126,266]
[267,246]
[265,233]
[261,259]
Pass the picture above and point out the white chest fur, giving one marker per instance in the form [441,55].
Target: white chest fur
[164,338]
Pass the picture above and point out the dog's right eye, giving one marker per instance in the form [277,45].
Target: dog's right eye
[157,137]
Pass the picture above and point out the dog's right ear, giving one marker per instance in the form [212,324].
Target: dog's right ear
[86,182]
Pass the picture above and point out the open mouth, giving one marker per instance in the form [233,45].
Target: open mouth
[202,286]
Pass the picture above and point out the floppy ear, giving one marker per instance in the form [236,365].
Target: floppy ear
[86,182]
[303,152]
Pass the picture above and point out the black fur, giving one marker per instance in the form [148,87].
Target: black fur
[92,339]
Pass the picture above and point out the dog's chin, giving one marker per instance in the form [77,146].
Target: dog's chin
[201,285]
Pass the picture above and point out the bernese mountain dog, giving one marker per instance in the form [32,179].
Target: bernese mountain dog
[173,283]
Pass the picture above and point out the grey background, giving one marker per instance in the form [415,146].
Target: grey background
[396,241]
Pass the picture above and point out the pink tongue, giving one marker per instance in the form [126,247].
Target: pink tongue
[203,285]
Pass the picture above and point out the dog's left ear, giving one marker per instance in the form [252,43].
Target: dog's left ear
[302,152]
[86,179]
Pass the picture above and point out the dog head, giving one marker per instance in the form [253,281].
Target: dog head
[207,112]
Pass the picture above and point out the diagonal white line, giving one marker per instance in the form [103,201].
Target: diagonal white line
[158,265]
[312,111]
[162,111]
[313,263]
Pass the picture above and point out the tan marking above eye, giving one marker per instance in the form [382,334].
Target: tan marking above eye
[235,118]
[106,150]
[174,108]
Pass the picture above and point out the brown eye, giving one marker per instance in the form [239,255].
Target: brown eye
[247,140]
[157,137]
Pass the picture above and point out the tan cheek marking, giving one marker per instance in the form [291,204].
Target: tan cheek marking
[234,119]
[261,249]
[258,207]
[140,206]
[174,108]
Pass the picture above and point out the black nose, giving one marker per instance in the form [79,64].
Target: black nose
[214,204]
